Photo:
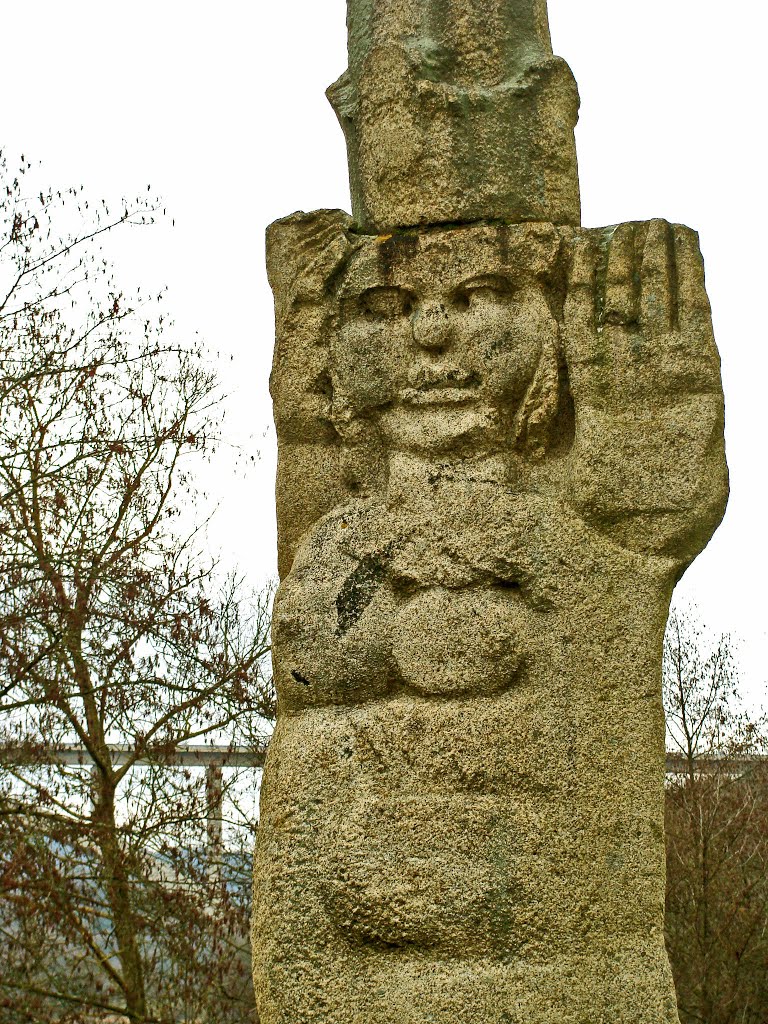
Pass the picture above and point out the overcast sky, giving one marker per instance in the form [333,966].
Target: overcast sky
[221,107]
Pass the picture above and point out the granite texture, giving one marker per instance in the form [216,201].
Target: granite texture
[455,111]
[500,445]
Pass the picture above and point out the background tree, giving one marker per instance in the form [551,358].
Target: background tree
[115,628]
[717,834]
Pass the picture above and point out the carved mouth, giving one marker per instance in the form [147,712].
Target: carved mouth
[438,395]
[445,387]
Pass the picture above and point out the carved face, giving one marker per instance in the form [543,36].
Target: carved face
[441,336]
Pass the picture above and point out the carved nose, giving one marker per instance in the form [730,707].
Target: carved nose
[431,326]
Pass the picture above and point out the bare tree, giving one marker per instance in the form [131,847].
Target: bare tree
[717,834]
[115,627]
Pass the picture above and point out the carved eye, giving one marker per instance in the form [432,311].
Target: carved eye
[387,303]
[488,288]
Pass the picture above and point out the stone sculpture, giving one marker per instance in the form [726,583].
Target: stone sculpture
[500,445]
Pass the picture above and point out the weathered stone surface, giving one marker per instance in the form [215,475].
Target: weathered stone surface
[455,111]
[500,446]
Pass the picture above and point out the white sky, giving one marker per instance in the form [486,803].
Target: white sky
[221,107]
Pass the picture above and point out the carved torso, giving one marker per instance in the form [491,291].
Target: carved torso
[499,448]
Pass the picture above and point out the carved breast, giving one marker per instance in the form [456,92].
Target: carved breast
[371,610]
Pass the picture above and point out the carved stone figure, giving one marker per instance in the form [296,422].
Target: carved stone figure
[500,445]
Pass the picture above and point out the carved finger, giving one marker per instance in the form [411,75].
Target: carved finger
[693,303]
[697,348]
[580,304]
[582,342]
[620,300]
[657,302]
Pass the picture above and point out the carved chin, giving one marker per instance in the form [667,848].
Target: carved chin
[437,428]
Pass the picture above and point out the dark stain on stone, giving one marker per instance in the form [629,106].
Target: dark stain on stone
[300,678]
[506,584]
[358,590]
[396,250]
[502,237]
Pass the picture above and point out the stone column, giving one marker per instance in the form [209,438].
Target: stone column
[456,110]
[500,446]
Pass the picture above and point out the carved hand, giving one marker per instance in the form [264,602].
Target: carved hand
[648,464]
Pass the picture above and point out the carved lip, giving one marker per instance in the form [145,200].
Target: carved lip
[436,395]
[445,385]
